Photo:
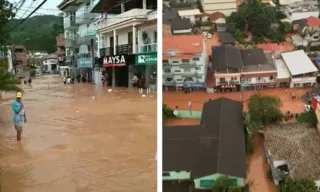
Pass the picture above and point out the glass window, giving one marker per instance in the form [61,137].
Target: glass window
[185,60]
[165,61]
[175,61]
[187,70]
[198,68]
[196,59]
[206,183]
[167,70]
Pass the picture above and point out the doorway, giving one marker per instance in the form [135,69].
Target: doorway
[122,79]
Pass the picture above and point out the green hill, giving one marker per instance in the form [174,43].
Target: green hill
[37,33]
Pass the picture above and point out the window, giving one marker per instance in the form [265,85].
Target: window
[167,70]
[188,79]
[175,61]
[198,68]
[271,77]
[169,79]
[234,181]
[206,183]
[187,70]
[199,77]
[130,37]
[155,34]
[233,78]
[165,61]
[179,80]
[222,79]
[185,60]
[177,71]
[196,59]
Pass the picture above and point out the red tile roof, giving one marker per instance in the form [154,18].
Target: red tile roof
[179,56]
[313,21]
[269,46]
[183,43]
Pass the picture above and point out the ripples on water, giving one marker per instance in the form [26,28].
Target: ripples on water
[73,143]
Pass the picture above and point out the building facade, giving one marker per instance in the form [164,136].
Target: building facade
[20,57]
[119,40]
[50,63]
[301,10]
[80,35]
[184,61]
[223,6]
[61,50]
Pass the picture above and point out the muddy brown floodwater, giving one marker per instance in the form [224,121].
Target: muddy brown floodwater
[74,143]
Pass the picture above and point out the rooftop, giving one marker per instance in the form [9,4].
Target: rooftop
[226,38]
[181,24]
[206,149]
[226,56]
[255,60]
[183,43]
[282,70]
[298,62]
[298,145]
[313,22]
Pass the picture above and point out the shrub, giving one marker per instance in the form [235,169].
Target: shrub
[269,175]
[308,117]
[167,112]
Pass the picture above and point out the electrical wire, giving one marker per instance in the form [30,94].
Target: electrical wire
[43,2]
[28,8]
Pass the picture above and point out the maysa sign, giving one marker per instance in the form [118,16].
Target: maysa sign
[114,61]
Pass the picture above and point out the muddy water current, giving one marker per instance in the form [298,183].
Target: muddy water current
[75,143]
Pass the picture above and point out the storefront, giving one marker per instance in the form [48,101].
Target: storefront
[194,86]
[146,64]
[84,74]
[119,69]
[226,88]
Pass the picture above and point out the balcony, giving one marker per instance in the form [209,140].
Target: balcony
[83,15]
[232,82]
[124,49]
[69,22]
[167,74]
[106,51]
[148,48]
[189,74]
[85,36]
[169,83]
[70,41]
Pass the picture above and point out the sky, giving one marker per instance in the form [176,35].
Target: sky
[49,8]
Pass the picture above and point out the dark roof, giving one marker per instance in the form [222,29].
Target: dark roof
[253,57]
[181,24]
[226,38]
[300,22]
[210,147]
[170,15]
[226,56]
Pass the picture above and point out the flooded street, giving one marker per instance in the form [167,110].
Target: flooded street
[74,143]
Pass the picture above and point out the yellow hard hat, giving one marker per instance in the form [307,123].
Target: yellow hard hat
[19,95]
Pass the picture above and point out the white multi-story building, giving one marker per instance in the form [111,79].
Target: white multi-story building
[184,61]
[119,39]
[301,10]
[50,63]
[223,6]
[80,33]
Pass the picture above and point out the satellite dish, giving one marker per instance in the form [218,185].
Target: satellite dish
[176,112]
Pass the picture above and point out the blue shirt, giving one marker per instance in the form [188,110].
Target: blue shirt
[17,118]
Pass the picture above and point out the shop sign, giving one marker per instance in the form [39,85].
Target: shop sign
[146,59]
[84,63]
[227,86]
[114,61]
[194,85]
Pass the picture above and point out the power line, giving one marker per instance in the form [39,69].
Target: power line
[28,8]
[43,2]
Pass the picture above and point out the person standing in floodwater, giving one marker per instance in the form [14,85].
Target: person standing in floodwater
[190,107]
[19,116]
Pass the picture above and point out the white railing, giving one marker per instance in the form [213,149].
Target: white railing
[304,79]
[87,32]
[152,47]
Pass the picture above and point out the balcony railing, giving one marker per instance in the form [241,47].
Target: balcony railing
[124,49]
[148,48]
[85,36]
[106,51]
[69,22]
[84,16]
[232,82]
[191,73]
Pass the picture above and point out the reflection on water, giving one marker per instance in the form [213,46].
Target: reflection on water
[75,143]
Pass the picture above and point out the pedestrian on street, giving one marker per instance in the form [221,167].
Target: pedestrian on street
[29,81]
[190,107]
[19,115]
[64,80]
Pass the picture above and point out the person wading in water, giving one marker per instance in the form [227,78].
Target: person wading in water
[19,116]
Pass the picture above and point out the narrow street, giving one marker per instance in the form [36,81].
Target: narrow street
[75,143]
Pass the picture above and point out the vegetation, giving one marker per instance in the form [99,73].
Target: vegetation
[38,33]
[302,185]
[269,175]
[262,20]
[166,112]
[225,184]
[264,109]
[251,127]
[203,23]
[308,117]
[8,82]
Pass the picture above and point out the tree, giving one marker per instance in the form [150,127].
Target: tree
[6,14]
[264,109]
[8,81]
[301,185]
[308,117]
[225,184]
[166,112]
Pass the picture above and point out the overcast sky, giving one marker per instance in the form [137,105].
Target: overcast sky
[49,8]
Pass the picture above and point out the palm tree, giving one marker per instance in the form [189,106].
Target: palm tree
[8,81]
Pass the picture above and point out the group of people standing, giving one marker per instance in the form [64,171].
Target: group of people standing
[139,82]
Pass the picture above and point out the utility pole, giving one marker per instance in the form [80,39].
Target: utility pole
[92,60]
